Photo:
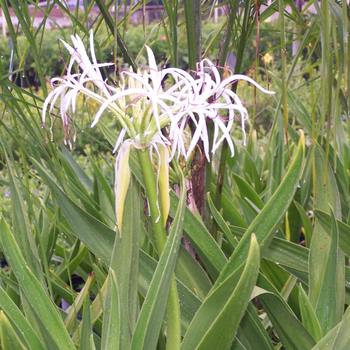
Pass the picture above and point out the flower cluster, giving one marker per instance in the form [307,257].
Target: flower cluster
[144,104]
[72,84]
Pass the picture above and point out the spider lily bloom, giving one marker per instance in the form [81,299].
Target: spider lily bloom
[72,84]
[143,98]
[207,96]
[143,107]
[139,103]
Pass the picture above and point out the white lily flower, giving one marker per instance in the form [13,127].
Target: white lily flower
[144,106]
[80,56]
[206,97]
[144,92]
[72,84]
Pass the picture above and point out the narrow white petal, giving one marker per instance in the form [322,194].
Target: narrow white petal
[119,140]
[155,76]
[236,77]
[92,47]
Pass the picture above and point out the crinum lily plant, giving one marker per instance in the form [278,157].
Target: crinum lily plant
[153,108]
[143,105]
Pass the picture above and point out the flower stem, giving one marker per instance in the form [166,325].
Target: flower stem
[172,312]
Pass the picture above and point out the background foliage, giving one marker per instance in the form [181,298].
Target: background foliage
[270,264]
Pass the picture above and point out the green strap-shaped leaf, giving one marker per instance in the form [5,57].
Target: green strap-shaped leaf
[247,191]
[342,340]
[8,337]
[251,166]
[344,229]
[217,320]
[325,281]
[330,303]
[86,330]
[204,244]
[251,331]
[24,237]
[73,310]
[291,332]
[189,301]
[98,237]
[151,316]
[111,316]
[277,148]
[306,223]
[281,280]
[40,303]
[308,315]
[282,252]
[11,310]
[288,327]
[104,195]
[78,169]
[327,342]
[230,213]
[221,223]
[238,345]
[125,264]
[189,271]
[266,223]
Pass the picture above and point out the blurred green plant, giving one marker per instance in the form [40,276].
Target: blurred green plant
[271,272]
